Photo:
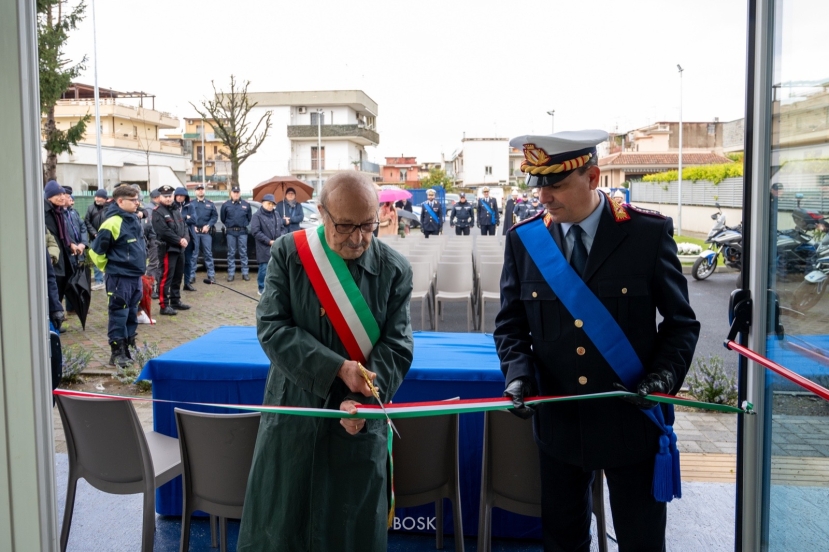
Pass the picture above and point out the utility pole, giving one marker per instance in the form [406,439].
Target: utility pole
[99,160]
[679,195]
[319,150]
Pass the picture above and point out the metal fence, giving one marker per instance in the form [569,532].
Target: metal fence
[728,193]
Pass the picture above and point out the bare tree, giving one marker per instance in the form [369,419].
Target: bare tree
[228,114]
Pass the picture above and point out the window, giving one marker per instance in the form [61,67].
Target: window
[488,169]
[317,118]
[317,159]
[403,173]
[198,153]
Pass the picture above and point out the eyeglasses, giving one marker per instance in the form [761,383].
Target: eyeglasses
[342,228]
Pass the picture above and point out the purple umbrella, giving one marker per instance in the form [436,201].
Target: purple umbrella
[393,194]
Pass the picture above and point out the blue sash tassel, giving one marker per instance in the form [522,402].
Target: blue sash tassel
[604,332]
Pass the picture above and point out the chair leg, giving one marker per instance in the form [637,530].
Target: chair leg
[598,508]
[214,541]
[423,314]
[185,529]
[457,520]
[481,320]
[439,524]
[68,510]
[484,529]
[223,531]
[437,315]
[148,525]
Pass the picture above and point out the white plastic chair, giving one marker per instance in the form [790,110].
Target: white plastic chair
[489,276]
[455,284]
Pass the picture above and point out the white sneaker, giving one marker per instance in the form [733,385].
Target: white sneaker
[259,292]
[96,287]
[144,319]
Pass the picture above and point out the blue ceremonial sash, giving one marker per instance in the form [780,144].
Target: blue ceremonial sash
[431,212]
[488,208]
[603,330]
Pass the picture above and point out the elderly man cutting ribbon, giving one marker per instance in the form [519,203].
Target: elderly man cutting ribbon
[334,300]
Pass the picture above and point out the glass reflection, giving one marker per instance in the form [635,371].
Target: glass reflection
[796,493]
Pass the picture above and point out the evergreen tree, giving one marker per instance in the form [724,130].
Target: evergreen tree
[56,74]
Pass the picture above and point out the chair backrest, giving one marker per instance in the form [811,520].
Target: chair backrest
[454,277]
[426,459]
[216,455]
[490,277]
[106,442]
[511,464]
[421,277]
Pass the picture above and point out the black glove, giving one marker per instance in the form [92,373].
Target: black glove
[57,318]
[517,390]
[656,382]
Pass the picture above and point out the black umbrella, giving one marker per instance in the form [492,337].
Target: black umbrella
[407,214]
[78,291]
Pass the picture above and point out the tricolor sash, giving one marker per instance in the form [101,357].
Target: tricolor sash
[604,332]
[338,294]
[431,212]
[485,203]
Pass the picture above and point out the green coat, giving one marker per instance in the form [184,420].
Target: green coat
[312,486]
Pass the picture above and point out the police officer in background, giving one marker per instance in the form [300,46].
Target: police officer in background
[205,217]
[533,209]
[235,215]
[171,235]
[182,199]
[462,216]
[488,217]
[587,250]
[431,215]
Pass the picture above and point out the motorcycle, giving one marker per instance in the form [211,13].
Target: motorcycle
[722,240]
[809,292]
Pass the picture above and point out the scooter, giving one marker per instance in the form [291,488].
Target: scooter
[809,292]
[722,240]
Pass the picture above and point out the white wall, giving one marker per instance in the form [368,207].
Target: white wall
[477,155]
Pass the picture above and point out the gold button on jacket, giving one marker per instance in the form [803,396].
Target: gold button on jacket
[582,380]
[579,323]
[580,351]
[535,294]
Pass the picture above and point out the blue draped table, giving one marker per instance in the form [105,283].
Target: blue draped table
[228,366]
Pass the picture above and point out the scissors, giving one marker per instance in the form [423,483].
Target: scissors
[376,393]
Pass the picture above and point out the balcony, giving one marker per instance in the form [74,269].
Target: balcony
[352,133]
[307,165]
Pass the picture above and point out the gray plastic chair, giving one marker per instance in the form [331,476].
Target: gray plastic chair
[216,455]
[108,447]
[426,469]
[422,289]
[511,478]
[455,282]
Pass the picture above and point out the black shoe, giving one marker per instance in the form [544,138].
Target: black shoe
[193,280]
[245,277]
[188,287]
[118,357]
[212,280]
[178,305]
[168,311]
[230,278]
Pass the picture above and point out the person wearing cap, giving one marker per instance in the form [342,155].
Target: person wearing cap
[235,215]
[54,201]
[462,216]
[182,202]
[510,217]
[265,227]
[119,249]
[533,208]
[290,211]
[206,216]
[431,215]
[488,217]
[585,263]
[93,219]
[320,483]
[172,239]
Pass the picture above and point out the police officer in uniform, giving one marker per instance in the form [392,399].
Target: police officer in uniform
[488,219]
[172,239]
[235,215]
[627,259]
[462,216]
[205,218]
[533,208]
[428,224]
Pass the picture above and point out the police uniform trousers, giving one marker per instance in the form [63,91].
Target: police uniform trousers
[203,245]
[487,229]
[567,506]
[172,271]
[237,240]
[461,230]
[427,233]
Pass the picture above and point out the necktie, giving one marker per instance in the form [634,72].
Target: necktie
[578,258]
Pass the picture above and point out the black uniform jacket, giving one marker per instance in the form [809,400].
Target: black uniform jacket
[634,271]
[169,228]
[462,214]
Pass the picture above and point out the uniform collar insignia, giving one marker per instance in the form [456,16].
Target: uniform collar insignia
[620,214]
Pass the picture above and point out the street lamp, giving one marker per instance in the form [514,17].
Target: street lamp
[679,195]
[552,113]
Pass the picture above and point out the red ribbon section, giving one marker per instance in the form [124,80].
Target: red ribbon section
[807,384]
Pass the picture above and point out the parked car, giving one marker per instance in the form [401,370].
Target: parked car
[311,220]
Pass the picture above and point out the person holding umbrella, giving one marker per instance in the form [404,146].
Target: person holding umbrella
[120,251]
[265,226]
[290,212]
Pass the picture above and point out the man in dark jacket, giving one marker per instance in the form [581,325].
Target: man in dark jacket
[93,219]
[265,226]
[182,198]
[171,235]
[206,216]
[462,216]
[153,263]
[119,249]
[235,215]
[510,217]
[290,211]
[431,215]
[55,199]
[488,217]
[622,262]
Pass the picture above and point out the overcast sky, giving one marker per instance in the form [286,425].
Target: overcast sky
[435,68]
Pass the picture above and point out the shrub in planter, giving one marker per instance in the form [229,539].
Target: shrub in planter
[708,382]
